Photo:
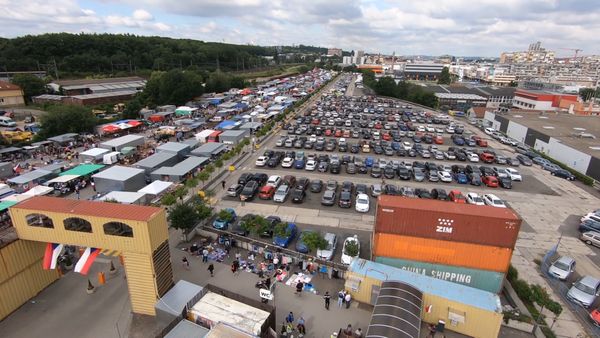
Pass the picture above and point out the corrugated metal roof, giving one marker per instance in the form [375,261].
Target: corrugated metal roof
[397,311]
[121,140]
[427,205]
[455,292]
[89,208]
[182,168]
[175,300]
[119,173]
[187,329]
[28,177]
[210,147]
[155,160]
[172,147]
[233,133]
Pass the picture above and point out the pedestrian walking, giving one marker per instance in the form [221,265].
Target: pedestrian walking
[238,256]
[205,255]
[347,299]
[93,185]
[185,263]
[327,298]
[290,317]
[432,331]
[341,296]
[358,333]
[299,287]
[348,330]
[223,184]
[211,269]
[301,327]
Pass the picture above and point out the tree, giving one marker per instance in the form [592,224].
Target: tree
[445,76]
[61,119]
[261,225]
[203,176]
[219,163]
[314,240]
[587,94]
[180,192]
[183,216]
[225,215]
[30,84]
[282,230]
[132,109]
[352,248]
[513,83]
[168,200]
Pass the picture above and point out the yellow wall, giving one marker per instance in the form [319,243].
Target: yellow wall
[478,322]
[11,97]
[21,274]
[137,251]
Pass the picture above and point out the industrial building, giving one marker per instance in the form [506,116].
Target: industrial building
[210,150]
[157,160]
[10,95]
[540,100]
[177,148]
[119,178]
[569,139]
[89,92]
[233,136]
[181,170]
[423,71]
[124,141]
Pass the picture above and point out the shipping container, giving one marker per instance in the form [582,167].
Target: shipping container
[490,281]
[465,310]
[18,256]
[485,225]
[473,256]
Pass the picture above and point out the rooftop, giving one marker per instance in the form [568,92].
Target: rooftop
[89,208]
[121,140]
[97,81]
[8,86]
[573,130]
[437,287]
[118,173]
[182,168]
[173,147]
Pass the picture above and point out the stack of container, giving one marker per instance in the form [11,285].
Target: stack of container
[462,243]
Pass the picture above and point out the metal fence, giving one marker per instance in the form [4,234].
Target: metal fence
[562,288]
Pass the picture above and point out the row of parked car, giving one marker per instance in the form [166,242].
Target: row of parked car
[236,226]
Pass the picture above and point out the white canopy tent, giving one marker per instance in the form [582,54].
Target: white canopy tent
[156,188]
[62,179]
[38,190]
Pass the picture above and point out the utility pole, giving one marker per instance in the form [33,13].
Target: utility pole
[55,68]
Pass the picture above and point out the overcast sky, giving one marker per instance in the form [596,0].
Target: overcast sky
[432,27]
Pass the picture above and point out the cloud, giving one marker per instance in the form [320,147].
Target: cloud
[458,27]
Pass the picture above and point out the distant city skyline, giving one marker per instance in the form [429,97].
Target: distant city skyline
[428,27]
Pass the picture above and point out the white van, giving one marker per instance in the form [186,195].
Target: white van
[111,158]
[7,122]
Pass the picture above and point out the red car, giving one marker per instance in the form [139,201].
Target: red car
[595,316]
[490,181]
[346,133]
[338,133]
[482,143]
[487,158]
[457,197]
[438,140]
[386,136]
[378,126]
[328,132]
[266,192]
[316,122]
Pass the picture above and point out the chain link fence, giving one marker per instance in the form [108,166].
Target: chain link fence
[561,288]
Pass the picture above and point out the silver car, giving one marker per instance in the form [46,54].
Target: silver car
[562,268]
[281,193]
[327,253]
[584,291]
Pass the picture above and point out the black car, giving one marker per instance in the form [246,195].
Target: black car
[401,152]
[563,174]
[274,161]
[439,194]
[316,186]
[361,189]
[391,189]
[245,223]
[461,156]
[302,183]
[475,179]
[334,169]
[350,168]
[244,178]
[347,186]
[422,193]
[505,182]
[526,161]
[261,178]
[298,195]
[343,148]
[354,148]
[389,173]
[249,191]
[345,199]
[403,173]
[363,169]
[487,171]
[589,225]
[376,172]
[270,226]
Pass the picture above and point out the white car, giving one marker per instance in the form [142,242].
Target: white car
[473,157]
[493,200]
[346,258]
[591,217]
[313,138]
[500,172]
[327,253]
[430,129]
[362,203]
[563,267]
[489,131]
[407,145]
[261,161]
[514,174]
[449,155]
[445,176]
[311,165]
[274,181]
[287,162]
[473,198]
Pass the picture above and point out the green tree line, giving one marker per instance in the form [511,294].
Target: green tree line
[77,54]
[403,90]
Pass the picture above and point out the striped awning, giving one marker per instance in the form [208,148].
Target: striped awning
[397,312]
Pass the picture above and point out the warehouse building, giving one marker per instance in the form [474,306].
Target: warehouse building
[124,141]
[93,155]
[423,71]
[157,160]
[233,136]
[179,149]
[119,178]
[569,139]
[461,309]
[181,170]
[210,150]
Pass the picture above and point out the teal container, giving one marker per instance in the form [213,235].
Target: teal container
[480,279]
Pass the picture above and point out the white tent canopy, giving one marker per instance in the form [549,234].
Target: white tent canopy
[125,197]
[38,190]
[16,198]
[62,179]
[156,187]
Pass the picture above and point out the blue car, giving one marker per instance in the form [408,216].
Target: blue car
[395,145]
[285,241]
[540,160]
[224,224]
[589,225]
[369,162]
[300,245]
[461,178]
[459,141]
[299,164]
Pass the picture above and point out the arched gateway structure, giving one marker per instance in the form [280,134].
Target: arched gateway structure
[140,233]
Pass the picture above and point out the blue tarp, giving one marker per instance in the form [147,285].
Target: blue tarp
[215,100]
[225,123]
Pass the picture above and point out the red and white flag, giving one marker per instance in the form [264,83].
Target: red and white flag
[428,308]
[86,260]
[51,255]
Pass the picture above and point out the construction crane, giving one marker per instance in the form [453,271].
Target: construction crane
[576,50]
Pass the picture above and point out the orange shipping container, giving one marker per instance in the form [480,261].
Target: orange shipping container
[442,252]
